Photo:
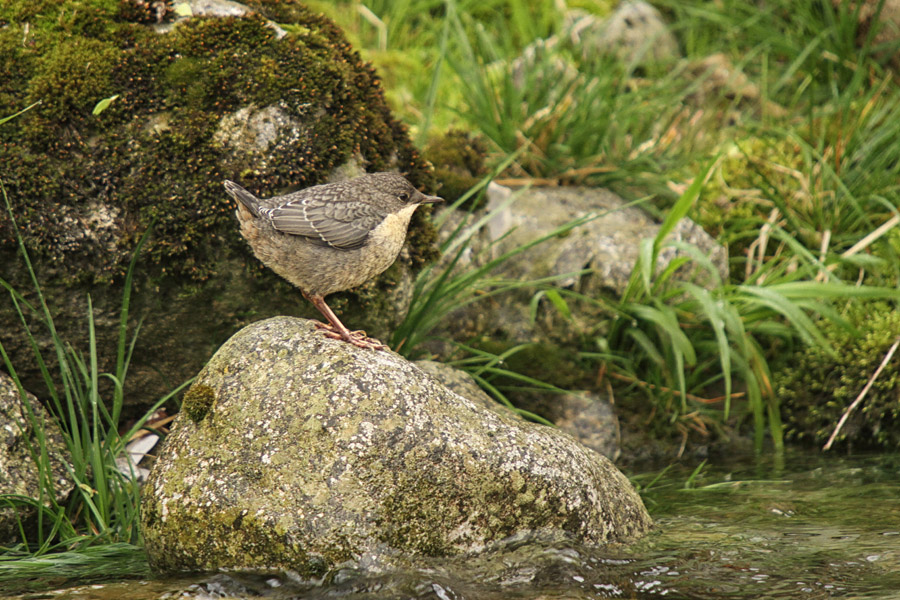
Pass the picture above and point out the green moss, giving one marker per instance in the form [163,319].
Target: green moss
[236,36]
[74,76]
[738,197]
[816,387]
[72,17]
[459,162]
[15,67]
[198,401]
[887,248]
[183,79]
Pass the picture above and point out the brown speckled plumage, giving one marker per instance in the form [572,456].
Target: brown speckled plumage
[332,237]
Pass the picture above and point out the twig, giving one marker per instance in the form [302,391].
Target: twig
[862,394]
[882,229]
[155,424]
[652,386]
[375,22]
[601,372]
[823,253]
[760,243]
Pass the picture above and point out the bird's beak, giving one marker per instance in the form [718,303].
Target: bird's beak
[430,199]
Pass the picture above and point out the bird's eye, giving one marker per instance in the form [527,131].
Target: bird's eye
[404,196]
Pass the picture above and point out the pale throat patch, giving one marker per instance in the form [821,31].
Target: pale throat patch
[395,222]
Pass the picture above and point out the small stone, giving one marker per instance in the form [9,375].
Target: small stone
[636,32]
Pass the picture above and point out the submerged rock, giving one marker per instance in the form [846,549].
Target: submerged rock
[315,454]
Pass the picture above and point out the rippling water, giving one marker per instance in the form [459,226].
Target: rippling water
[806,527]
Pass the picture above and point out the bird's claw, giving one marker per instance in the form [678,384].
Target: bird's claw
[357,338]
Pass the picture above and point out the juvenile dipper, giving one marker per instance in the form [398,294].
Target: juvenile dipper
[333,237]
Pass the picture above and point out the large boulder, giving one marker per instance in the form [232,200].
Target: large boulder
[218,92]
[299,452]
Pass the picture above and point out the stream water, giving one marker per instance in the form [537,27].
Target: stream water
[805,527]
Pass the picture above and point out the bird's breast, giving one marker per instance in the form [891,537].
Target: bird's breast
[391,232]
[386,240]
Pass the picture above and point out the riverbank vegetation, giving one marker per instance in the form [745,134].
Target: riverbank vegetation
[787,117]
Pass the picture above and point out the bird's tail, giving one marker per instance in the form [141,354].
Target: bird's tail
[250,201]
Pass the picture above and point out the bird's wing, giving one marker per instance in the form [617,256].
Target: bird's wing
[339,224]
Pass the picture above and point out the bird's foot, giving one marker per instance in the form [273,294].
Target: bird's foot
[357,338]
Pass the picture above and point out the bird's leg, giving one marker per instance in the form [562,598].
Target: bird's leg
[336,329]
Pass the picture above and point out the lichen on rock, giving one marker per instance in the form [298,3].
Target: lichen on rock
[317,453]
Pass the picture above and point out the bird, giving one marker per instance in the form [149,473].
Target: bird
[332,237]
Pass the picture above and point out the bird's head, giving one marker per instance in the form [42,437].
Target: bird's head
[397,191]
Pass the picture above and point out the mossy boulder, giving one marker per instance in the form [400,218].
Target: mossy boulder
[815,386]
[316,455]
[194,101]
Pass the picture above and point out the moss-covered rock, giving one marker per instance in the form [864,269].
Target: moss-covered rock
[277,107]
[815,387]
[459,162]
[317,452]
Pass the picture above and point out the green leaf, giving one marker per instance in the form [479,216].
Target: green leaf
[104,104]
[714,311]
[681,207]
[558,302]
